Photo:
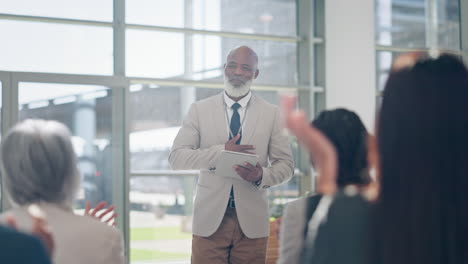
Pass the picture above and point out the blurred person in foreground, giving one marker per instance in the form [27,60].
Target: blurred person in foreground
[39,168]
[349,136]
[18,247]
[420,214]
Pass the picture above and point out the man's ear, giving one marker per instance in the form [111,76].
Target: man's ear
[256,73]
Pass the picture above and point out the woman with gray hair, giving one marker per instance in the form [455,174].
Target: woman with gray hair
[39,167]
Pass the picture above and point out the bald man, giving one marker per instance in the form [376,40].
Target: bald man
[230,217]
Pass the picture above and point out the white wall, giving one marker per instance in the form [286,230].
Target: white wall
[350,57]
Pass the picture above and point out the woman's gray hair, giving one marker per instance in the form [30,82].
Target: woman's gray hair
[38,163]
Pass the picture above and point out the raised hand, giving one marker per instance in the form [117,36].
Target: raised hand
[93,212]
[322,152]
[232,146]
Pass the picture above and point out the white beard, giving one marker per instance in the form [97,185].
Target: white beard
[234,91]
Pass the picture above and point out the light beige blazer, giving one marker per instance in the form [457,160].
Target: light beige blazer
[78,239]
[200,142]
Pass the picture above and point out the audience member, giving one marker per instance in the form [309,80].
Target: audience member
[420,215]
[17,247]
[39,167]
[349,136]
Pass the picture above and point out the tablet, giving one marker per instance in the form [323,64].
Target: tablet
[227,160]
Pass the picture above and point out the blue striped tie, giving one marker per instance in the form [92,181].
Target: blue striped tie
[235,123]
[235,127]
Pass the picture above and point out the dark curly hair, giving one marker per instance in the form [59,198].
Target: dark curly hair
[348,134]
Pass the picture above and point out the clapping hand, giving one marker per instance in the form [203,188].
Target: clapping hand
[93,212]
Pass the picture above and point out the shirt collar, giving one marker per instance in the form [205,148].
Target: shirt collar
[243,102]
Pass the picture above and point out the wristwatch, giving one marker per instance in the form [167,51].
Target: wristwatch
[257,183]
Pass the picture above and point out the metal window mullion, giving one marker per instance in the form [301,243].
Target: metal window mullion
[319,55]
[159,173]
[119,37]
[432,27]
[67,78]
[120,128]
[464,28]
[216,85]
[404,49]
[226,34]
[111,81]
[54,20]
[120,162]
[306,78]
[9,116]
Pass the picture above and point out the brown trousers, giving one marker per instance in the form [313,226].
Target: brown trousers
[228,245]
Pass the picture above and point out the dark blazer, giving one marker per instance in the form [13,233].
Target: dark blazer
[312,203]
[345,235]
[19,248]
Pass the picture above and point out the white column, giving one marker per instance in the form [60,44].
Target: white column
[350,57]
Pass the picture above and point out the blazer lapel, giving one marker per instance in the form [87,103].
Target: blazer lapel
[219,118]
[252,119]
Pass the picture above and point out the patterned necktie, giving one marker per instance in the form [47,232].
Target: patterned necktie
[235,123]
[235,129]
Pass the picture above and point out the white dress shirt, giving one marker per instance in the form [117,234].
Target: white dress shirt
[228,102]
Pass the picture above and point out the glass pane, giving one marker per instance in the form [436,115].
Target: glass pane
[384,64]
[45,47]
[84,9]
[171,55]
[160,219]
[1,109]
[2,195]
[154,54]
[277,17]
[448,26]
[86,111]
[280,195]
[410,24]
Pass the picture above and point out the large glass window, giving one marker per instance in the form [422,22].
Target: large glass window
[418,23]
[171,55]
[161,200]
[244,16]
[45,47]
[404,26]
[86,111]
